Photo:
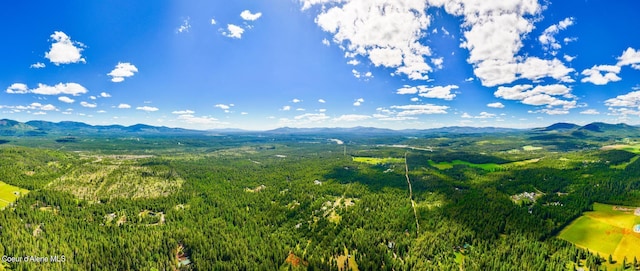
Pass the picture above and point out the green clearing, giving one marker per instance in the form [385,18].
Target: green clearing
[378,161]
[606,230]
[9,194]
[531,148]
[449,165]
[624,165]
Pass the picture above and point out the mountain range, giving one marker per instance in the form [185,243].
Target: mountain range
[40,128]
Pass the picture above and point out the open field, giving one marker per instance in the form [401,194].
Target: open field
[378,161]
[9,194]
[448,165]
[606,231]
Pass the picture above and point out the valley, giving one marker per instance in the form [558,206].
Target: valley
[157,198]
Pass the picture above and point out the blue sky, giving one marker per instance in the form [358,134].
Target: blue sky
[321,63]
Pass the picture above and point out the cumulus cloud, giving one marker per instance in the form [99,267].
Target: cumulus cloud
[17,88]
[248,16]
[183,112]
[548,40]
[601,74]
[546,95]
[147,108]
[66,99]
[321,101]
[74,89]
[631,99]
[37,65]
[312,117]
[296,101]
[89,105]
[124,106]
[351,118]
[358,102]
[326,42]
[387,34]
[496,105]
[213,21]
[121,71]
[286,108]
[63,50]
[630,57]
[437,92]
[233,31]
[105,95]
[185,26]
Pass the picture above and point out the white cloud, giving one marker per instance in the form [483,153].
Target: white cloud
[534,68]
[64,50]
[351,118]
[213,21]
[388,34]
[234,31]
[40,113]
[540,95]
[183,112]
[86,104]
[147,108]
[590,112]
[415,99]
[548,40]
[296,101]
[223,106]
[321,101]
[312,117]
[437,62]
[121,71]
[17,88]
[326,42]
[438,92]
[496,105]
[74,89]
[631,99]
[124,106]
[358,102]
[37,65]
[353,62]
[105,95]
[630,57]
[286,108]
[185,26]
[569,58]
[322,110]
[101,111]
[248,16]
[92,97]
[244,113]
[66,99]
[470,79]
[595,74]
[466,115]
[420,109]
[358,74]
[202,120]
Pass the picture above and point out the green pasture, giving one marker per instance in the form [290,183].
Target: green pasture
[378,161]
[10,193]
[606,231]
[448,165]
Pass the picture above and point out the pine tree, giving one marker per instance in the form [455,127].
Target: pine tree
[610,259]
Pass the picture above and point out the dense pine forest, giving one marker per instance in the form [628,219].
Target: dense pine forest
[303,202]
